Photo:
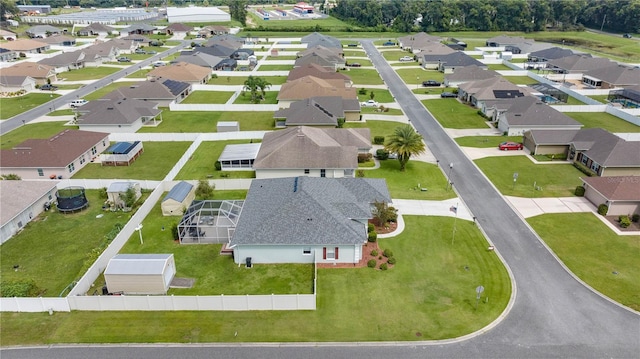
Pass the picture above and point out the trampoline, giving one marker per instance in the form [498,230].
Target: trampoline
[71,199]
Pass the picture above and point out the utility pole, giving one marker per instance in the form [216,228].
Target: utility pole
[603,19]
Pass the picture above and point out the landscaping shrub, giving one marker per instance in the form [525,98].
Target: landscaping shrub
[384,266]
[340,122]
[624,221]
[579,191]
[362,91]
[382,154]
[584,169]
[359,173]
[370,227]
[372,237]
[603,209]
[387,253]
[374,252]
[364,157]
[378,140]
[218,166]
[392,260]
[635,218]
[174,232]
[371,263]
[19,288]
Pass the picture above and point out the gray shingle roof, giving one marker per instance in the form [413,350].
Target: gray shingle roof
[199,58]
[607,149]
[179,192]
[579,63]
[64,59]
[137,264]
[531,111]
[454,59]
[616,188]
[618,75]
[314,111]
[551,53]
[308,210]
[471,73]
[117,111]
[319,39]
[16,196]
[553,137]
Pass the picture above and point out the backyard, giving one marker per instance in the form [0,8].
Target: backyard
[270,98]
[453,114]
[364,77]
[240,80]
[201,165]
[203,121]
[208,97]
[13,106]
[603,120]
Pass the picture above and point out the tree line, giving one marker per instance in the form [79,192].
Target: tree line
[490,15]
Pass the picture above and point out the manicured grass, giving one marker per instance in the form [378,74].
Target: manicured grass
[138,74]
[405,184]
[600,98]
[485,141]
[428,291]
[270,98]
[555,180]
[377,128]
[215,97]
[593,252]
[328,24]
[201,165]
[572,101]
[497,67]
[281,57]
[205,121]
[390,112]
[520,80]
[453,114]
[430,90]
[34,130]
[63,240]
[154,164]
[362,62]
[67,112]
[395,55]
[364,76]
[381,95]
[88,73]
[603,120]
[355,53]
[14,106]
[107,89]
[275,68]
[237,80]
[413,76]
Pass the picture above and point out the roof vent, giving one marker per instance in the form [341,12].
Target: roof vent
[295,184]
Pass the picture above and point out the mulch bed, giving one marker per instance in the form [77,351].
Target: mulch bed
[635,226]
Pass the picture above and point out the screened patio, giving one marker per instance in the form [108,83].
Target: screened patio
[210,221]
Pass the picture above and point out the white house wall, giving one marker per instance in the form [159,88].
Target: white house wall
[269,254]
[134,127]
[27,215]
[280,173]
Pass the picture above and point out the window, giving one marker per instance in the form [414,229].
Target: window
[71,167]
[82,159]
[323,173]
[40,172]
[330,253]
[306,171]
[94,150]
[50,197]
[306,251]
[104,143]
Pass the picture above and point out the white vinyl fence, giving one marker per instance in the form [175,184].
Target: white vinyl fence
[222,107]
[34,305]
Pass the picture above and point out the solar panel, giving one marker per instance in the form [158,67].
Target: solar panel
[507,94]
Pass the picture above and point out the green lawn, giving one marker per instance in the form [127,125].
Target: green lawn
[215,97]
[362,62]
[485,141]
[520,80]
[67,112]
[603,120]
[355,53]
[430,90]
[378,128]
[238,80]
[270,98]
[88,73]
[593,252]
[453,114]
[570,101]
[381,95]
[34,130]
[556,180]
[413,76]
[154,164]
[364,76]
[14,106]
[600,98]
[204,121]
[498,67]
[138,74]
[107,89]
[63,239]
[281,57]
[427,295]
[405,184]
[275,68]
[201,164]
[328,24]
[395,55]
[390,112]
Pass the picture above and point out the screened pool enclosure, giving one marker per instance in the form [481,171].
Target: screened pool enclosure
[209,221]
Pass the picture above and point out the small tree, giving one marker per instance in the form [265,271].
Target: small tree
[405,142]
[204,190]
[372,95]
[129,197]
[11,177]
[382,213]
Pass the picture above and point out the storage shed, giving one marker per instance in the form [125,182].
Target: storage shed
[140,273]
[178,199]
[118,190]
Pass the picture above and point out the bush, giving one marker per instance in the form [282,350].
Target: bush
[387,253]
[579,191]
[624,221]
[174,232]
[372,237]
[584,169]
[359,173]
[374,253]
[635,218]
[362,91]
[218,166]
[19,288]
[371,263]
[382,154]
[370,227]
[384,266]
[603,209]
[378,140]
[392,260]
[364,157]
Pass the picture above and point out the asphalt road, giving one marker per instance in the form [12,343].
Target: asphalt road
[553,314]
[25,117]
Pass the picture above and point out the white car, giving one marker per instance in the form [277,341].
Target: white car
[406,59]
[369,103]
[78,103]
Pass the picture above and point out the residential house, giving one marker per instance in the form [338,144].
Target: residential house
[211,30]
[58,40]
[16,83]
[475,92]
[164,92]
[226,65]
[117,115]
[319,72]
[200,59]
[124,46]
[216,50]
[139,29]
[448,63]
[182,72]
[177,28]
[323,51]
[96,29]
[621,194]
[140,40]
[65,61]
[628,97]
[21,202]
[8,35]
[529,112]
[7,55]
[311,86]
[538,59]
[42,31]
[503,40]
[325,111]
[311,151]
[526,47]
[99,53]
[548,142]
[611,77]
[226,40]
[60,156]
[326,60]
[468,74]
[433,52]
[178,199]
[306,220]
[238,157]
[576,64]
[416,42]
[41,73]
[317,38]
[26,46]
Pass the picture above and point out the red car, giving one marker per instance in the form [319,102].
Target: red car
[506,146]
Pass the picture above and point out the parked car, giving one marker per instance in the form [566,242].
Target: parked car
[354,64]
[370,103]
[430,83]
[406,59]
[389,43]
[152,52]
[140,51]
[124,59]
[78,103]
[352,45]
[448,94]
[507,146]
[48,87]
[627,36]
[158,64]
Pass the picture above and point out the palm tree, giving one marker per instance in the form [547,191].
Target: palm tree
[405,142]
[255,84]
